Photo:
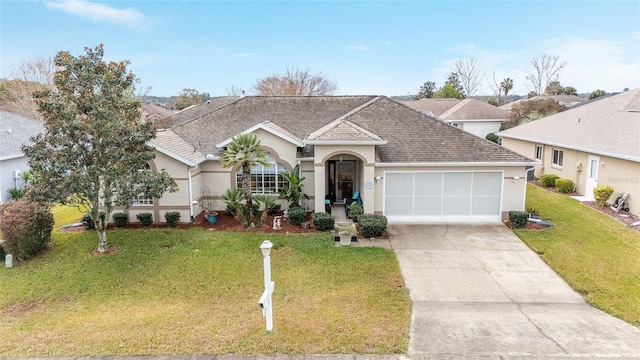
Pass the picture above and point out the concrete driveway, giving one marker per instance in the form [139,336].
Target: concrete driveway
[479,290]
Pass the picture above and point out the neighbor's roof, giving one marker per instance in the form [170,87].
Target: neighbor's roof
[566,100]
[15,131]
[401,134]
[454,109]
[609,126]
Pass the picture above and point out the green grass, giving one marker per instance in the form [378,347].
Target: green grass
[598,256]
[169,291]
[65,215]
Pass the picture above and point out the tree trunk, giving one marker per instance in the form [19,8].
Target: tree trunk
[102,240]
[246,189]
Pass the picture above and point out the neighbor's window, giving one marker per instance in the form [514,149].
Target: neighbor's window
[538,152]
[265,179]
[142,199]
[557,157]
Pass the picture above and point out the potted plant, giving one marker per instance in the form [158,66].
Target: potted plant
[346,233]
[208,206]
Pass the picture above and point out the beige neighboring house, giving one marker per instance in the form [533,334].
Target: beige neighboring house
[471,115]
[567,100]
[401,162]
[594,144]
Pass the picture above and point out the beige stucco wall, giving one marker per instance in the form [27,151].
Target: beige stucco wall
[478,128]
[622,175]
[513,192]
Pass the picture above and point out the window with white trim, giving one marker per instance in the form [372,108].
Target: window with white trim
[538,152]
[265,179]
[143,199]
[557,157]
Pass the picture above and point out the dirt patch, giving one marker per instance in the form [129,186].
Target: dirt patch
[110,250]
[531,225]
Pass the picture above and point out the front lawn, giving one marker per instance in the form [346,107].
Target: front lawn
[169,291]
[596,255]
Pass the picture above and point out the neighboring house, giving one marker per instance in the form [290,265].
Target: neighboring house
[568,101]
[472,115]
[594,144]
[15,131]
[155,113]
[404,164]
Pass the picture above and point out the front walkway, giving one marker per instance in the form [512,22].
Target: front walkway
[478,290]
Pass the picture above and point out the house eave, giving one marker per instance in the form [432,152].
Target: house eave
[458,164]
[575,148]
[11,157]
[294,141]
[345,142]
[173,155]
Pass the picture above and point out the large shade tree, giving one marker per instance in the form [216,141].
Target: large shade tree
[245,151]
[93,153]
[295,82]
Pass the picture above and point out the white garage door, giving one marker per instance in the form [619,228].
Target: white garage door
[443,196]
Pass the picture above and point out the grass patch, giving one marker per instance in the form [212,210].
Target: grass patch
[65,215]
[169,291]
[596,255]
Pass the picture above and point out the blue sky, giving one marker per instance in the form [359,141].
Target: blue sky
[367,47]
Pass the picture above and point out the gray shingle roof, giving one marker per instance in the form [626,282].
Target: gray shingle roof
[431,107]
[474,109]
[610,126]
[175,145]
[194,112]
[15,131]
[412,137]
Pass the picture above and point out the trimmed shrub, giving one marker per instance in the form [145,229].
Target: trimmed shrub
[172,218]
[323,221]
[3,254]
[146,219]
[297,216]
[492,137]
[87,221]
[26,227]
[121,219]
[549,180]
[602,193]
[355,210]
[565,185]
[372,225]
[518,218]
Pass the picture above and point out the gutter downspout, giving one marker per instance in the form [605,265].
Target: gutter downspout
[191,193]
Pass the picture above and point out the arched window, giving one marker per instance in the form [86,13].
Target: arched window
[265,179]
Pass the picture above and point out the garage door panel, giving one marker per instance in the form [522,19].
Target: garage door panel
[399,184]
[487,184]
[456,205]
[486,205]
[399,206]
[457,183]
[428,206]
[428,184]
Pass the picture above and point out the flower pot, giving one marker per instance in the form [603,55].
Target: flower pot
[345,239]
[212,218]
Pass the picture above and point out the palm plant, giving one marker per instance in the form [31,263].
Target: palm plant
[506,85]
[292,192]
[245,151]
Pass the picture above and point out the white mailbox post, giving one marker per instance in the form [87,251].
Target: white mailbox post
[265,300]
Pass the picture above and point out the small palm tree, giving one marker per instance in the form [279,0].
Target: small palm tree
[506,85]
[292,192]
[245,151]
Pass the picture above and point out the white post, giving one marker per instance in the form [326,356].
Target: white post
[265,300]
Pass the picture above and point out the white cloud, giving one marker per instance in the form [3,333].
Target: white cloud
[359,47]
[99,12]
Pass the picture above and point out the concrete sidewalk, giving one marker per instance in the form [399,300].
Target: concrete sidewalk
[477,290]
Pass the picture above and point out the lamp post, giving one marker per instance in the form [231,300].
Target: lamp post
[265,300]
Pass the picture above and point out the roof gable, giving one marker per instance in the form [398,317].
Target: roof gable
[269,127]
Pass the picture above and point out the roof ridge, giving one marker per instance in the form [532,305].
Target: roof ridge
[454,108]
[207,113]
[351,112]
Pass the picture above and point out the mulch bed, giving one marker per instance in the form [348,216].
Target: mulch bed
[227,222]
